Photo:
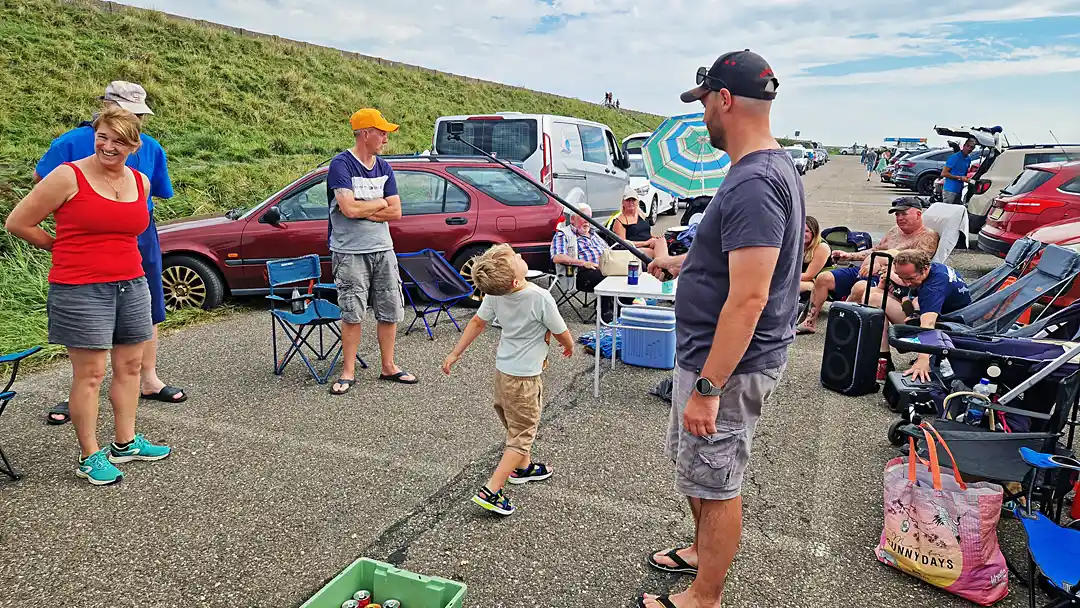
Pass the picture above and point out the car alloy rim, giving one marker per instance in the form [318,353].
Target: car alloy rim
[466,273]
[183,287]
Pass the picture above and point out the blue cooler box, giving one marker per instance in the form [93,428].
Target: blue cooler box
[648,348]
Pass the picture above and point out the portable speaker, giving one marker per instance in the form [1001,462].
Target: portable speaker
[852,343]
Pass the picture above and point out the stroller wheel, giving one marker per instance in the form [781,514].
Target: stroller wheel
[895,436]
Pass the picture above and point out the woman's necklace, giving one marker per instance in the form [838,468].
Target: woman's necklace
[116,191]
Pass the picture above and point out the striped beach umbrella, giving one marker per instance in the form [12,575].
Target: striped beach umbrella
[680,160]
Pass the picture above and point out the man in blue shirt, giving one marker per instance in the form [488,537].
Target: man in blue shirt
[150,160]
[955,173]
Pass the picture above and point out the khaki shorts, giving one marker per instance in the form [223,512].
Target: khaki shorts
[368,280]
[518,401]
[712,467]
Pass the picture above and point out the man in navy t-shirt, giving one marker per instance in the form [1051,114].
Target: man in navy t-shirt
[955,173]
[78,143]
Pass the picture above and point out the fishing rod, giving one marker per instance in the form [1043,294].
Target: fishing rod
[456,129]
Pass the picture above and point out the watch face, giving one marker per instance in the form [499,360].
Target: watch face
[704,386]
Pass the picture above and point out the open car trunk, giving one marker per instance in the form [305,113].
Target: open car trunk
[987,137]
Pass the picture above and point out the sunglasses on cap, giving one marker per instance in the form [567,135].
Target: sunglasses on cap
[711,82]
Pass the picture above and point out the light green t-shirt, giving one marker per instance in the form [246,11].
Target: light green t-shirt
[525,316]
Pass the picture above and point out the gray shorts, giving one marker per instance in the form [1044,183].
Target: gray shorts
[368,280]
[951,198]
[99,315]
[712,467]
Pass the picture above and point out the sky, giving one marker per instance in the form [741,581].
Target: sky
[849,70]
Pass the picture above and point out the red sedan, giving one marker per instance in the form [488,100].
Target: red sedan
[458,206]
[1041,195]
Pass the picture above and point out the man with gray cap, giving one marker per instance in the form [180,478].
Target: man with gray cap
[149,159]
[734,318]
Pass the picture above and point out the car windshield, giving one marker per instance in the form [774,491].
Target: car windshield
[796,153]
[1027,181]
[637,167]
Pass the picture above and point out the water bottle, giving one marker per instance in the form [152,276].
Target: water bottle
[297,304]
[975,412]
[946,369]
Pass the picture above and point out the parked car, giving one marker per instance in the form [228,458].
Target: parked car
[458,206]
[653,200]
[1042,194]
[559,151]
[799,156]
[631,144]
[918,171]
[822,153]
[1010,163]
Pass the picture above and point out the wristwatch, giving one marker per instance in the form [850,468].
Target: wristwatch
[706,388]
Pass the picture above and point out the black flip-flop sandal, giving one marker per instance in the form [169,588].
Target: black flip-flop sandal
[60,409]
[348,385]
[804,331]
[663,600]
[167,394]
[681,567]
[399,377]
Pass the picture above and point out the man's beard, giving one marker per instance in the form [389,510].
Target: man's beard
[718,138]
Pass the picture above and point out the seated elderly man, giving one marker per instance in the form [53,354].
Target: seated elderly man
[850,283]
[578,247]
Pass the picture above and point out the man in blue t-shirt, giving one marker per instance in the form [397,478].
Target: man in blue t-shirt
[955,173]
[363,196]
[149,159]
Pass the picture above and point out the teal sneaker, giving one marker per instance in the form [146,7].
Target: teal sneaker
[97,469]
[139,449]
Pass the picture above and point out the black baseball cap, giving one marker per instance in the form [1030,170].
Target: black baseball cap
[744,73]
[906,202]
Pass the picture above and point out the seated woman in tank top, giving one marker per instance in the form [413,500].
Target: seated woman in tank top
[98,303]
[631,226]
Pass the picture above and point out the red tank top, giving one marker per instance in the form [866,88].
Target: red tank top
[97,239]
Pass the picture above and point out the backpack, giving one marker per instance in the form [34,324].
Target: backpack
[840,238]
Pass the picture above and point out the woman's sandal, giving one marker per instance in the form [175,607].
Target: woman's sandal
[167,394]
[399,377]
[61,410]
[663,600]
[680,567]
[348,382]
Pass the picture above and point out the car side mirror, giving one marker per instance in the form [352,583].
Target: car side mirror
[272,216]
[623,163]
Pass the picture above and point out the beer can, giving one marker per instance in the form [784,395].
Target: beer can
[363,598]
[350,604]
[391,604]
[633,271]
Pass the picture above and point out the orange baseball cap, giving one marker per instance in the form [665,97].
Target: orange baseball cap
[370,117]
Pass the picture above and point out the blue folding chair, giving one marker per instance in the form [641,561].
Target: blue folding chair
[437,281]
[7,395]
[1053,551]
[302,314]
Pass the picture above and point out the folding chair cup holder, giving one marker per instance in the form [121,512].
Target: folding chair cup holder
[441,285]
[6,396]
[318,315]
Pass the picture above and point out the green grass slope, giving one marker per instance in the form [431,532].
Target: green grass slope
[239,115]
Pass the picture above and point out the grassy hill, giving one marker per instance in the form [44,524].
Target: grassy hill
[239,115]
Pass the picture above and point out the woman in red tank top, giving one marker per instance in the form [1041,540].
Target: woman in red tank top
[99,302]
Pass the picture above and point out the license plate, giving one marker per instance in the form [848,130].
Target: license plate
[996,213]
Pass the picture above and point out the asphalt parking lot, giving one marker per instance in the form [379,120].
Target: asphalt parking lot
[275,486]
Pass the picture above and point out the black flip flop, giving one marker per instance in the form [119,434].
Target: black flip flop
[398,377]
[663,600]
[804,331]
[348,382]
[167,394]
[681,567]
[60,409]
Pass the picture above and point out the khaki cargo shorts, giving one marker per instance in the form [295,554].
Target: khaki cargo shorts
[518,401]
[712,467]
[368,280]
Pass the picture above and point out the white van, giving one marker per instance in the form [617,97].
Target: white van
[559,151]
[632,144]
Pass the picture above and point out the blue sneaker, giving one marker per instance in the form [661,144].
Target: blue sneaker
[139,449]
[97,469]
[495,502]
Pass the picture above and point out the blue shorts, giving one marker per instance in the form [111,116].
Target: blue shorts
[846,278]
[150,249]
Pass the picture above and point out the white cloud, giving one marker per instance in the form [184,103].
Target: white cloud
[646,51]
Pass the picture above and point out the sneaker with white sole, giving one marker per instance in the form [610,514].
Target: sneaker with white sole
[139,449]
[97,469]
[495,502]
[534,472]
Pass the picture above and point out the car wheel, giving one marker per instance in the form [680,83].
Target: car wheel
[190,282]
[463,263]
[925,185]
[652,211]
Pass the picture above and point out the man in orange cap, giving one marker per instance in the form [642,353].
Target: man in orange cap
[363,197]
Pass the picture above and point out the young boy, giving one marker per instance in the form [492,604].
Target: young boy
[529,318]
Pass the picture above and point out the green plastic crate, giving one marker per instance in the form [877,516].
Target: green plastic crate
[385,581]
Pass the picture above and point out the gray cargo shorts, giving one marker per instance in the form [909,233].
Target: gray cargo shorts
[98,316]
[712,467]
[951,198]
[368,280]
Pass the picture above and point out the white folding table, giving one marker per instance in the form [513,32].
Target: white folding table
[648,287]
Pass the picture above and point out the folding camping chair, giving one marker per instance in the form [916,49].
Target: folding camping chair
[1016,262]
[6,396]
[564,285]
[437,281]
[996,313]
[1053,551]
[311,313]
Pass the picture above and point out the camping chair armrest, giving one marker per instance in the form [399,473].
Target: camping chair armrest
[303,296]
[13,357]
[1043,461]
[329,286]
